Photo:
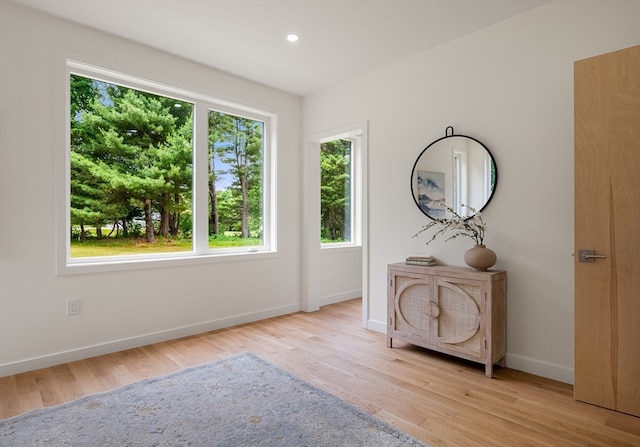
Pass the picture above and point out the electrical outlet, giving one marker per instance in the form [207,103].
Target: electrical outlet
[73,307]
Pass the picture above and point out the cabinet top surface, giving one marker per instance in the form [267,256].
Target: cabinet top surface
[444,270]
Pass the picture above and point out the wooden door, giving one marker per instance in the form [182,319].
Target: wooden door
[607,220]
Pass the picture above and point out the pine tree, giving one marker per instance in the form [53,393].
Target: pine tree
[131,158]
[237,143]
[335,187]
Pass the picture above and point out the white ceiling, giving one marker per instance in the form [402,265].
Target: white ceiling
[339,39]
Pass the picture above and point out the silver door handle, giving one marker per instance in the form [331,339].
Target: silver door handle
[589,256]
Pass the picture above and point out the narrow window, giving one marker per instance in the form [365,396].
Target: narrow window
[336,191]
[236,154]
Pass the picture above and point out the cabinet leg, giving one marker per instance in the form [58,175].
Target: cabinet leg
[488,370]
[389,342]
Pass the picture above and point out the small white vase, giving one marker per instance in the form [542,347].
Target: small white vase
[480,257]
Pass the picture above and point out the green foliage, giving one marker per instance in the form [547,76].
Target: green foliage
[131,172]
[128,149]
[236,151]
[186,224]
[83,93]
[335,190]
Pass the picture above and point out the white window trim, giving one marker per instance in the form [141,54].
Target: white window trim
[201,252]
[356,139]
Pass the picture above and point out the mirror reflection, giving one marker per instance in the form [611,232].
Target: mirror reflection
[455,171]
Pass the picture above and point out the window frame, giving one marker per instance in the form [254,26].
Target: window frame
[201,252]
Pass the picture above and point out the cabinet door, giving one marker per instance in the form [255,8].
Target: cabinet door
[460,325]
[414,308]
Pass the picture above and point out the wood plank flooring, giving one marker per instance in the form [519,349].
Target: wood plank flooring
[441,400]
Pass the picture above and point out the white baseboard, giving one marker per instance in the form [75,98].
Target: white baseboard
[378,326]
[339,297]
[517,362]
[45,361]
[540,368]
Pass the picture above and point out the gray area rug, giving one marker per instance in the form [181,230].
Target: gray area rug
[239,401]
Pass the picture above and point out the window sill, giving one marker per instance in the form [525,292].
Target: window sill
[138,263]
[337,248]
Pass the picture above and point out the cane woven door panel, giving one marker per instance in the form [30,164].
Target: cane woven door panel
[459,320]
[413,299]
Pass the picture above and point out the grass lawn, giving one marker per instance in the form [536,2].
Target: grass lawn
[135,246]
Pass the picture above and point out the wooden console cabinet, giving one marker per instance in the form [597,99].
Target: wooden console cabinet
[454,310]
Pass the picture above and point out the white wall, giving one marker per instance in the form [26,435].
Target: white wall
[518,100]
[339,275]
[129,308]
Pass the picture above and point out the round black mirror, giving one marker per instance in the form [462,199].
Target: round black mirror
[455,171]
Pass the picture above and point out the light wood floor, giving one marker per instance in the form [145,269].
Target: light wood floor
[438,399]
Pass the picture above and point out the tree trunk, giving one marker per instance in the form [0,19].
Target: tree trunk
[174,218]
[164,223]
[174,224]
[214,217]
[148,221]
[245,208]
[164,216]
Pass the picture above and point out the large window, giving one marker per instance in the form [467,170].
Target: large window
[147,181]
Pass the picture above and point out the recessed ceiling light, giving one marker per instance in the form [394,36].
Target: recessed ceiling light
[292,37]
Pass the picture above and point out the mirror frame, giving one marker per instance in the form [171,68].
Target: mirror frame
[414,194]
